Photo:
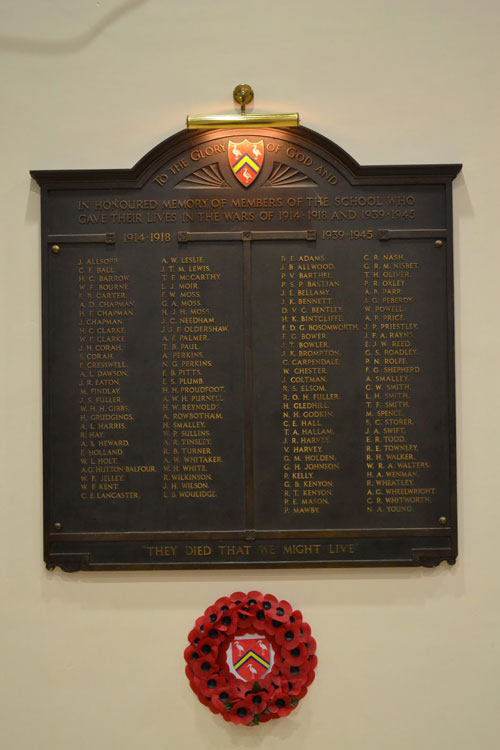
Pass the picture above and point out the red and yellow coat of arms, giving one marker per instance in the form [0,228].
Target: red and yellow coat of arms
[246,160]
[250,657]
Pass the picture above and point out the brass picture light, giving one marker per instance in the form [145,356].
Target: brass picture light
[243,95]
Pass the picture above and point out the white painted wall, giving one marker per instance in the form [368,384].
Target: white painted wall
[408,658]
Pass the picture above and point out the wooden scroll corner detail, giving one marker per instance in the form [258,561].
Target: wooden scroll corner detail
[69,563]
[431,558]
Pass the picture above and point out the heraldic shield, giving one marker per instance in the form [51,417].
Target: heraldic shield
[246,160]
[250,657]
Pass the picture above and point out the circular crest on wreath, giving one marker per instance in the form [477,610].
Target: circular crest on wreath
[250,658]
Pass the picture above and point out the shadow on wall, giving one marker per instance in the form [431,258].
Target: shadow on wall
[73,44]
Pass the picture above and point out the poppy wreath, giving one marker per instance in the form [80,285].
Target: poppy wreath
[288,667]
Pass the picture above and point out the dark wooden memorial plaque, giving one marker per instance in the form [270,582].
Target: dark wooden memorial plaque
[248,358]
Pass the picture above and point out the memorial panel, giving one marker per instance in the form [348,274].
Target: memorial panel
[248,358]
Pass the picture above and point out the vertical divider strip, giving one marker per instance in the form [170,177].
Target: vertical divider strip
[249,396]
[246,238]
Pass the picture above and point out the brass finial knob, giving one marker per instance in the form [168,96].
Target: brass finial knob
[243,95]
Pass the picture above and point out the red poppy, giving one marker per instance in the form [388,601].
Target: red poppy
[207,647]
[200,621]
[281,611]
[258,701]
[220,703]
[271,627]
[204,700]
[209,685]
[272,679]
[289,636]
[281,704]
[196,688]
[305,630]
[192,682]
[295,672]
[213,633]
[310,645]
[204,667]
[313,663]
[228,693]
[244,627]
[210,705]
[223,601]
[268,601]
[298,691]
[259,621]
[266,717]
[244,616]
[194,634]
[296,655]
[241,712]
[191,653]
[254,599]
[228,622]
[212,615]
[237,597]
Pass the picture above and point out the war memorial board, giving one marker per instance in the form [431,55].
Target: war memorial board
[248,358]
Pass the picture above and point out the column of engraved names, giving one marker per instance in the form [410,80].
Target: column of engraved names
[311,315]
[104,309]
[395,468]
[192,404]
